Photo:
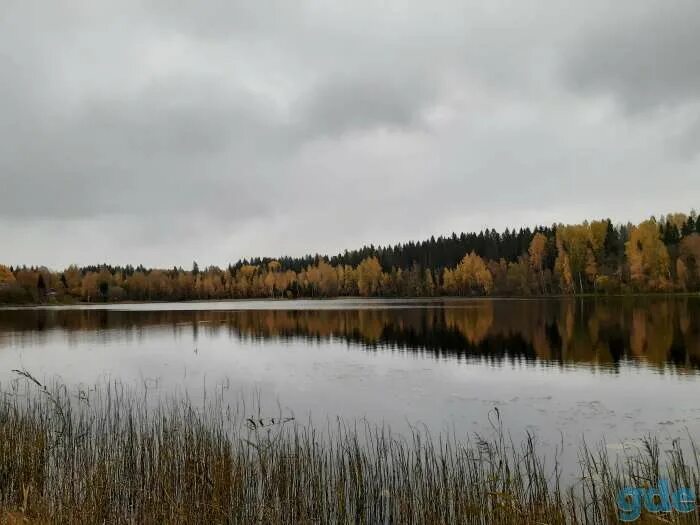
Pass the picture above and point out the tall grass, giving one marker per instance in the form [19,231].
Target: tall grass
[109,456]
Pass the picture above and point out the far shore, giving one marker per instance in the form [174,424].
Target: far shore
[357,298]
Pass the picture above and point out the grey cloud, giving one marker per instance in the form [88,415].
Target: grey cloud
[163,149]
[225,18]
[686,139]
[643,53]
[160,132]
[345,105]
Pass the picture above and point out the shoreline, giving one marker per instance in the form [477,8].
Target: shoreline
[362,298]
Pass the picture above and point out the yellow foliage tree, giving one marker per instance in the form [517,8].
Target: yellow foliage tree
[369,273]
[597,232]
[690,254]
[682,274]
[647,257]
[328,279]
[472,275]
[6,276]
[562,267]
[537,249]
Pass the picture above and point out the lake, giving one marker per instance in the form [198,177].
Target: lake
[564,369]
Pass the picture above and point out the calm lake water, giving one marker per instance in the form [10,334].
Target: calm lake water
[564,369]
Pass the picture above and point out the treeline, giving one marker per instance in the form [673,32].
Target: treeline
[593,257]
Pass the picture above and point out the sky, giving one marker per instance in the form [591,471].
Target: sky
[165,132]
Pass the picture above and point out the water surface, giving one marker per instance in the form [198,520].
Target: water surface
[562,368]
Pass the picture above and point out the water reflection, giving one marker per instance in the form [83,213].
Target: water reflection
[659,332]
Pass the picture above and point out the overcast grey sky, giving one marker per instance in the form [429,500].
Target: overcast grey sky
[161,132]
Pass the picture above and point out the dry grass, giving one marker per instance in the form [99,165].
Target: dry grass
[106,457]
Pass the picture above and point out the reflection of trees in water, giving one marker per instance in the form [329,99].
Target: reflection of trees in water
[604,331]
[472,322]
[652,331]
[638,333]
[689,327]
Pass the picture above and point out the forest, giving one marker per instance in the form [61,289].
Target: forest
[598,257]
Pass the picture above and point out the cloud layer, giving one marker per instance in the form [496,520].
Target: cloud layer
[224,129]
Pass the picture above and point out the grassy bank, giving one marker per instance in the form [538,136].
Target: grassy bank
[108,456]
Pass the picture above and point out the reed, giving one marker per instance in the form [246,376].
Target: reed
[108,455]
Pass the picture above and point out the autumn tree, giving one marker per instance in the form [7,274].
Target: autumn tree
[572,248]
[347,280]
[6,276]
[271,277]
[682,274]
[73,280]
[647,257]
[369,273]
[245,280]
[499,274]
[689,255]
[537,251]
[562,268]
[328,279]
[88,287]
[470,276]
[428,283]
[518,276]
[10,290]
